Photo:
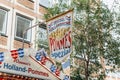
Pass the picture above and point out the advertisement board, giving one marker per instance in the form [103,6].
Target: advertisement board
[22,63]
[59,34]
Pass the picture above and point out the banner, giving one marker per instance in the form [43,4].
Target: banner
[66,67]
[59,34]
[27,62]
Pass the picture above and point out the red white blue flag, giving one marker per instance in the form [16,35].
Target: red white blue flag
[14,54]
[57,72]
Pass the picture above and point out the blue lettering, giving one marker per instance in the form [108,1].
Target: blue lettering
[66,64]
[14,67]
[60,54]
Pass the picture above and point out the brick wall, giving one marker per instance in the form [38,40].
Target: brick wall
[3,50]
[18,44]
[42,10]
[27,3]
[8,4]
[3,40]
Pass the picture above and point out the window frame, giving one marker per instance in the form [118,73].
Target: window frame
[5,22]
[29,33]
[32,1]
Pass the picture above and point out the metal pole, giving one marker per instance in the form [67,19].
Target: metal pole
[0,38]
[23,41]
[40,23]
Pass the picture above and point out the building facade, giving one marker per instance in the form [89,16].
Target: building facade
[15,17]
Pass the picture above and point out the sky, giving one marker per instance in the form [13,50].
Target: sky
[47,4]
[109,3]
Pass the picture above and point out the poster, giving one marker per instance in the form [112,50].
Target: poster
[59,30]
[66,67]
[20,63]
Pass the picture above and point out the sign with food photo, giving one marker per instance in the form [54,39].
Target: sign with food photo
[59,34]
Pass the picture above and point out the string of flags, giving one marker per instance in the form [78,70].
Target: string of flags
[14,54]
[17,53]
[66,77]
[41,56]
[21,52]
[53,68]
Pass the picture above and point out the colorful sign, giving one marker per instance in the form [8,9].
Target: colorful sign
[66,67]
[41,56]
[59,34]
[17,62]
[23,67]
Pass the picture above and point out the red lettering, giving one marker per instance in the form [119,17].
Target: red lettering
[21,62]
[68,39]
[58,45]
[62,42]
[30,70]
[65,42]
[52,42]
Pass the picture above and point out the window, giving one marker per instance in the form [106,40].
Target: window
[3,21]
[22,24]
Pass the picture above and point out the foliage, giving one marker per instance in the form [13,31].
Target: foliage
[94,25]
[57,9]
[76,75]
[93,33]
[42,41]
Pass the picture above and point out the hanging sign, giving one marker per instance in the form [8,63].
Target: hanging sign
[66,67]
[59,34]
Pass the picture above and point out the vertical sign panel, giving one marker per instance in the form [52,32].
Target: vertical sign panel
[59,35]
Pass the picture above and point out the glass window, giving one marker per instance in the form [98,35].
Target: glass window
[3,20]
[22,24]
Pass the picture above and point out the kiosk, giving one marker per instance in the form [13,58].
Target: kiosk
[22,65]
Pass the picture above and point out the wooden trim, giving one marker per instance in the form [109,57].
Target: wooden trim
[60,15]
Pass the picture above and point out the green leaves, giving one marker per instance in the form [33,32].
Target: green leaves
[92,31]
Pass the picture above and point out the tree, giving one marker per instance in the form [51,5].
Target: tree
[93,39]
